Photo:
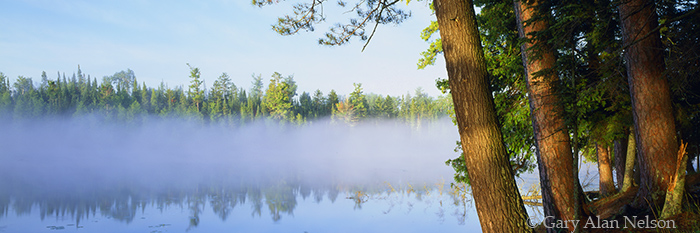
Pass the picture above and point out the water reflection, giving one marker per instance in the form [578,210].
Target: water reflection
[170,176]
[277,199]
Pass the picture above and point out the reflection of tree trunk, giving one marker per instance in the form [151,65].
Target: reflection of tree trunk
[620,154]
[554,156]
[607,186]
[496,196]
[629,163]
[651,101]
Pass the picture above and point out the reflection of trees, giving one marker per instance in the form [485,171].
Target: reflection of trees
[255,197]
[223,201]
[196,205]
[460,193]
[304,191]
[22,206]
[121,208]
[77,208]
[333,194]
[118,205]
[318,194]
[281,198]
[122,204]
[4,204]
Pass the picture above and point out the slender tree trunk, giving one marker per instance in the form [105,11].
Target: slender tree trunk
[606,185]
[629,162]
[496,196]
[651,101]
[620,155]
[554,157]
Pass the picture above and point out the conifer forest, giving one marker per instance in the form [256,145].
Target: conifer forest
[554,116]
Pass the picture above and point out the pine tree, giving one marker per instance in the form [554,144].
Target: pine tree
[195,91]
[358,101]
[277,100]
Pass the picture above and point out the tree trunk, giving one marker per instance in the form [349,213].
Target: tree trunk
[629,163]
[496,196]
[620,155]
[554,157]
[676,188]
[606,185]
[651,101]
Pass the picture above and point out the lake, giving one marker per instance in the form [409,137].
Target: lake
[174,176]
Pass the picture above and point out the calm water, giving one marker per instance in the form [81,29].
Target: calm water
[179,177]
[277,208]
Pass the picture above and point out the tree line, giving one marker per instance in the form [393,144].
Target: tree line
[120,98]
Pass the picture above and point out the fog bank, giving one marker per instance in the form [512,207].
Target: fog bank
[70,155]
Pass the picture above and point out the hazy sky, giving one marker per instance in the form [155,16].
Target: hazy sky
[157,38]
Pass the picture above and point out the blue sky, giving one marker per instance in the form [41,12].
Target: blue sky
[157,38]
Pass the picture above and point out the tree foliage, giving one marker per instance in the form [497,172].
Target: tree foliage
[309,13]
[224,103]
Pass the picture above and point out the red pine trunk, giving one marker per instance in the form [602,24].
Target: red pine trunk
[496,196]
[651,101]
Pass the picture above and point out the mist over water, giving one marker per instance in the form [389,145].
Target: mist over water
[77,156]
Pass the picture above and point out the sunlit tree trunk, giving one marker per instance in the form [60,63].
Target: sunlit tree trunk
[496,196]
[651,101]
[676,189]
[628,181]
[554,157]
[606,184]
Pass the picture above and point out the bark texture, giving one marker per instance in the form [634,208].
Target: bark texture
[674,195]
[496,196]
[651,101]
[554,157]
[605,175]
